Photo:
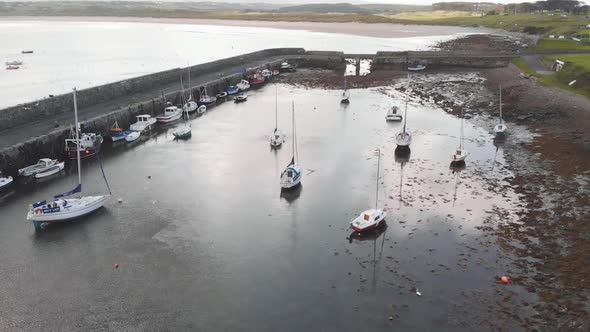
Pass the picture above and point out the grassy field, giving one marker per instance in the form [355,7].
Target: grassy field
[561,44]
[521,64]
[426,16]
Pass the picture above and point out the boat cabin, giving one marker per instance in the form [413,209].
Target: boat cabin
[170,109]
[143,118]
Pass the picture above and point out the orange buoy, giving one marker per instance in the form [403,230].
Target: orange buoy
[505,279]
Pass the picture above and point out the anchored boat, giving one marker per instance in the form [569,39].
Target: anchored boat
[87,144]
[117,133]
[145,122]
[371,218]
[243,85]
[404,139]
[5,181]
[392,114]
[232,89]
[205,99]
[459,155]
[345,96]
[277,137]
[500,129]
[56,168]
[171,113]
[416,68]
[61,209]
[41,166]
[291,176]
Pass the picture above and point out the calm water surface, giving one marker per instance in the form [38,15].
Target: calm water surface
[86,54]
[208,243]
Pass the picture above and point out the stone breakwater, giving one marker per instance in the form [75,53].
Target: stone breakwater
[38,129]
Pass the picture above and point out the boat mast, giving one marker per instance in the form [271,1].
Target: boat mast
[461,138]
[78,145]
[377,187]
[500,103]
[406,110]
[276,108]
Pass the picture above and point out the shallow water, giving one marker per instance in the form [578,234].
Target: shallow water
[86,54]
[209,243]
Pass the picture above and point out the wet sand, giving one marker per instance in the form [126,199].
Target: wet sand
[382,30]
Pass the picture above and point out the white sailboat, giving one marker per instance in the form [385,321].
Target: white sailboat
[62,209]
[190,105]
[460,153]
[277,137]
[404,139]
[371,218]
[500,129]
[291,176]
[345,97]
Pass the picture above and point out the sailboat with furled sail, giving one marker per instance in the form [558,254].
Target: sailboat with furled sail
[291,176]
[404,139]
[371,218]
[61,209]
[277,137]
[500,129]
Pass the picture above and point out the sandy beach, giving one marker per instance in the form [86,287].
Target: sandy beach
[380,30]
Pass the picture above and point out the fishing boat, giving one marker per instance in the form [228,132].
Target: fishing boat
[277,137]
[14,63]
[221,95]
[371,218]
[500,129]
[345,96]
[5,181]
[132,136]
[117,133]
[171,113]
[460,153]
[56,168]
[205,99]
[88,144]
[241,97]
[266,74]
[61,209]
[27,51]
[404,139]
[291,176]
[144,122]
[243,85]
[232,89]
[12,67]
[416,67]
[256,80]
[392,114]
[41,166]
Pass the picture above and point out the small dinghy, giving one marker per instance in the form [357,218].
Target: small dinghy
[221,95]
[392,114]
[182,132]
[41,166]
[291,176]
[243,85]
[202,109]
[117,133]
[171,113]
[232,89]
[145,122]
[416,68]
[5,181]
[14,63]
[371,218]
[58,167]
[500,129]
[12,67]
[132,136]
[241,97]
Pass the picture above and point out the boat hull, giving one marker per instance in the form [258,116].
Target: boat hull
[393,118]
[6,182]
[403,139]
[132,136]
[166,119]
[83,206]
[377,219]
[293,179]
[51,171]
[84,153]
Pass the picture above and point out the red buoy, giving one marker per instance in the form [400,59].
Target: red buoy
[116,265]
[505,279]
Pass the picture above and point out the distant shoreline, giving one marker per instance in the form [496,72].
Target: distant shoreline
[379,30]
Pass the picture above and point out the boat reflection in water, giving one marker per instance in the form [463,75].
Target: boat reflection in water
[366,236]
[292,194]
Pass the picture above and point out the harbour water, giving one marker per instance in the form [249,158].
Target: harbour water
[86,54]
[205,240]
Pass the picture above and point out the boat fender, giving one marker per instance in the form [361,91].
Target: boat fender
[38,211]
